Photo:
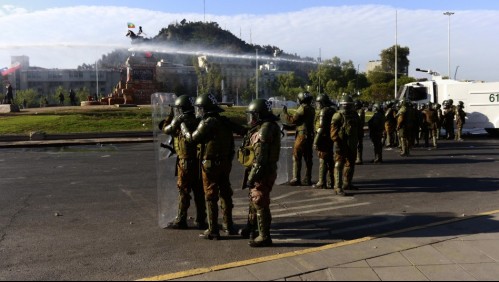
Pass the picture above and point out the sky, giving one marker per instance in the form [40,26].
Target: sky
[68,33]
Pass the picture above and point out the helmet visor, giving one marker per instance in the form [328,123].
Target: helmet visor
[200,112]
[252,118]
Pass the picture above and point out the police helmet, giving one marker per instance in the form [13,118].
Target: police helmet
[206,104]
[323,100]
[185,104]
[305,98]
[259,110]
[346,102]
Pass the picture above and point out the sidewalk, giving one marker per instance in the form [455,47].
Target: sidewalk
[461,249]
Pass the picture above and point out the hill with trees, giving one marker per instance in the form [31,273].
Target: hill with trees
[332,76]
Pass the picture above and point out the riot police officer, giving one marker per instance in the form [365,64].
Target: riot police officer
[376,126]
[431,119]
[216,151]
[406,122]
[346,130]
[448,119]
[323,143]
[187,163]
[390,125]
[362,115]
[262,144]
[303,121]
[460,120]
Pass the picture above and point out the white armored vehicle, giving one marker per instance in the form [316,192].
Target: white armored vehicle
[481,99]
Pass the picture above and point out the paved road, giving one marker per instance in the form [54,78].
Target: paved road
[89,212]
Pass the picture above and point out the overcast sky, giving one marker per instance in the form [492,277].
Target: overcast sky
[65,34]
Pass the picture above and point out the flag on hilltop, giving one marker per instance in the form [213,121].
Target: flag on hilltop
[131,25]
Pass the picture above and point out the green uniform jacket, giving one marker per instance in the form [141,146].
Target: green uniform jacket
[214,136]
[184,149]
[265,139]
[303,119]
[322,140]
[346,130]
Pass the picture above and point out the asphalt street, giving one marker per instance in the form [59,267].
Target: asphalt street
[90,212]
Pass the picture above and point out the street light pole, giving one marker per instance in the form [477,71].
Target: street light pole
[448,43]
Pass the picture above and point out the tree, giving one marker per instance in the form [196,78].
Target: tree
[289,85]
[209,78]
[388,60]
[29,95]
[82,94]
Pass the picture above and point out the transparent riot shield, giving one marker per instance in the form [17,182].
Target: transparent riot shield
[166,160]
[285,156]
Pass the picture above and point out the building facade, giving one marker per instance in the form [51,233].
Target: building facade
[46,81]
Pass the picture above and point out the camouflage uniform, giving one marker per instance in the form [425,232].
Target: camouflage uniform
[448,119]
[424,132]
[346,130]
[390,126]
[376,126]
[187,166]
[264,141]
[360,147]
[440,120]
[303,120]
[460,120]
[216,147]
[323,143]
[406,120]
[431,119]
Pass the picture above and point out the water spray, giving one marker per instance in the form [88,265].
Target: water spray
[179,51]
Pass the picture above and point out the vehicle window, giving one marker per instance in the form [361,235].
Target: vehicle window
[417,93]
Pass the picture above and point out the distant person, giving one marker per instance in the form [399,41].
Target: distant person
[362,115]
[431,118]
[376,127]
[440,116]
[406,121]
[448,119]
[460,120]
[61,99]
[25,104]
[9,95]
[390,125]
[72,97]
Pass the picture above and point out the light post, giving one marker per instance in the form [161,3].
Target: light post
[448,43]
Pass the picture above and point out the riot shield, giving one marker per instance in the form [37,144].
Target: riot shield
[285,156]
[166,160]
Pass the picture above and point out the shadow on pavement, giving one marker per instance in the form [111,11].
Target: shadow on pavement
[428,185]
[326,230]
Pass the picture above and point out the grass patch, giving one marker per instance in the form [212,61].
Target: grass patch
[92,119]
